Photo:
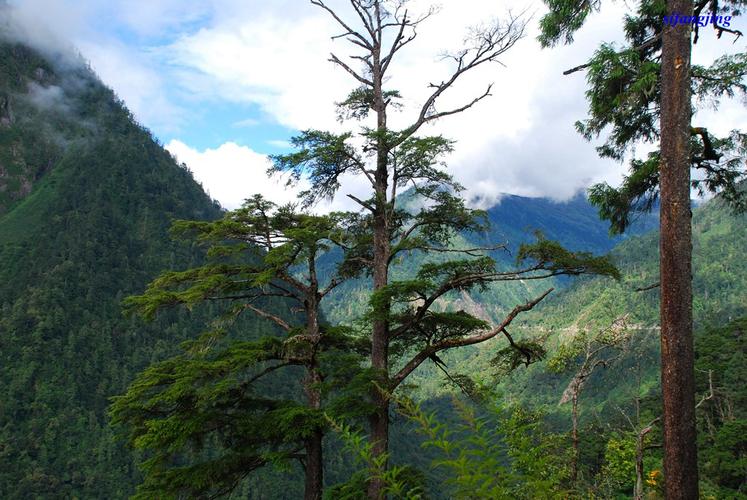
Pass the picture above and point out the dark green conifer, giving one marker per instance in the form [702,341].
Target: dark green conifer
[643,93]
[231,404]
[407,326]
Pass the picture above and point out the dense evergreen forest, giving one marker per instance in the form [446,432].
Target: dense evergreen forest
[156,345]
[93,230]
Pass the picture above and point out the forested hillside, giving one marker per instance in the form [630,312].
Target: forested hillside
[623,394]
[86,200]
[720,284]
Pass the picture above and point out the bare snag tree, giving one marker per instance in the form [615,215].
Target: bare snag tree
[594,349]
[402,318]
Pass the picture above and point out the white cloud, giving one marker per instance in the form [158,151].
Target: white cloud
[279,143]
[232,173]
[22,20]
[51,97]
[274,55]
[274,62]
[520,140]
[248,122]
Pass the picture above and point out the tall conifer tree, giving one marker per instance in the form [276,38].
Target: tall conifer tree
[406,328]
[643,93]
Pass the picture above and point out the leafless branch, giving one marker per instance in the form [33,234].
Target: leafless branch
[473,252]
[362,203]
[261,312]
[648,287]
[266,371]
[333,58]
[334,283]
[285,291]
[720,30]
[351,33]
[710,394]
[365,17]
[524,351]
[401,39]
[489,45]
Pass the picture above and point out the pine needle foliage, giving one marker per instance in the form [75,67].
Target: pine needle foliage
[624,96]
[232,403]
[493,452]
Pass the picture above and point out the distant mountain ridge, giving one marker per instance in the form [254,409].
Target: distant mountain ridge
[574,222]
[514,220]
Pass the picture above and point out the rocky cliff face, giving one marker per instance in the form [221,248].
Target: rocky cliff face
[6,112]
[40,117]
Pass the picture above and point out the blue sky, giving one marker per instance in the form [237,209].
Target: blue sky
[213,124]
[205,121]
[211,121]
[223,83]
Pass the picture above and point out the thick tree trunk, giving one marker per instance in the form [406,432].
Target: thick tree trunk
[677,367]
[314,484]
[379,420]
[314,467]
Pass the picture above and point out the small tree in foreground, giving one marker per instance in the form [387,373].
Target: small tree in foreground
[226,406]
[594,350]
[493,452]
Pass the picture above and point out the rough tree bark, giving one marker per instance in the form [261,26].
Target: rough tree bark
[314,482]
[677,364]
[379,420]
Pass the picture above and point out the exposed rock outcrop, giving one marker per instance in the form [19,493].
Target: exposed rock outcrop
[6,111]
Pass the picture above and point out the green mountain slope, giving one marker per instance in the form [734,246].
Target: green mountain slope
[720,296]
[719,280]
[617,392]
[86,197]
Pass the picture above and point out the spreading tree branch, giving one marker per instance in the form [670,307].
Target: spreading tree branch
[353,36]
[450,343]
